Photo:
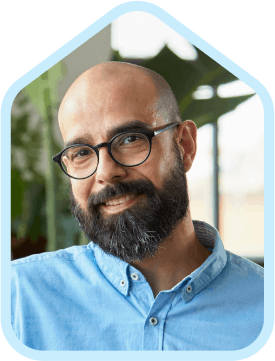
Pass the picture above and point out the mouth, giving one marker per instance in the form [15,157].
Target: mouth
[116,204]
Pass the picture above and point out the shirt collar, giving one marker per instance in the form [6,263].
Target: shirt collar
[116,270]
[113,268]
[212,266]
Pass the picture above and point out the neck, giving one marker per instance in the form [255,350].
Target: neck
[178,256]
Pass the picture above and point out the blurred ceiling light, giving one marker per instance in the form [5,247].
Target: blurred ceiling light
[142,35]
[233,89]
[203,92]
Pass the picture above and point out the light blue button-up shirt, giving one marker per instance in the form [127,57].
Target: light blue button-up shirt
[81,298]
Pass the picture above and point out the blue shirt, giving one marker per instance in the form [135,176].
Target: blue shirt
[81,298]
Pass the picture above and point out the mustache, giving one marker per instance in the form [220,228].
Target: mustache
[137,187]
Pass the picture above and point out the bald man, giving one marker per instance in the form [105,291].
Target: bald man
[150,278]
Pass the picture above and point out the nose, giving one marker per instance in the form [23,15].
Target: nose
[108,171]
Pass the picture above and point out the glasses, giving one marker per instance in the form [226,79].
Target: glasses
[130,149]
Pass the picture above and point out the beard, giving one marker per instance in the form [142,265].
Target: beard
[138,231]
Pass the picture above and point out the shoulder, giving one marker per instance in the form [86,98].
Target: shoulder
[243,280]
[43,283]
[67,254]
[47,264]
[38,275]
[240,286]
[244,267]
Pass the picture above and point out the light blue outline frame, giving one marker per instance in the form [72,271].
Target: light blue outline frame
[268,197]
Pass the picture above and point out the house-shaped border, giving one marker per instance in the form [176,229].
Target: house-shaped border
[269,131]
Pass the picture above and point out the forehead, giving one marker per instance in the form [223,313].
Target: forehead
[97,110]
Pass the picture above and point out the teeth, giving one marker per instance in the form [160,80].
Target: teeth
[115,201]
[120,200]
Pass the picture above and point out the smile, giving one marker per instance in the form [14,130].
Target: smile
[119,200]
[119,204]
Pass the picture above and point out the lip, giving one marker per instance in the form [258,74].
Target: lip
[120,207]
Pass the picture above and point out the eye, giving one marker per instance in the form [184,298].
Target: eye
[79,153]
[82,153]
[130,139]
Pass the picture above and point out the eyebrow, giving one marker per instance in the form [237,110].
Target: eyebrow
[133,125]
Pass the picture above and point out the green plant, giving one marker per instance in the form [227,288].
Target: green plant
[185,77]
[39,192]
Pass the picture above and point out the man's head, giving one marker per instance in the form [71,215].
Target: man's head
[153,195]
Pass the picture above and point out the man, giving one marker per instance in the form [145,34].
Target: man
[150,279]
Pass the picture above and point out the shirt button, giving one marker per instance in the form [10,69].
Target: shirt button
[153,321]
[134,276]
[122,283]
[189,289]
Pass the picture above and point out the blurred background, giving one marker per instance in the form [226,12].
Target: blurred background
[226,182]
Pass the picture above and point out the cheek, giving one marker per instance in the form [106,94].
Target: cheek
[165,164]
[157,165]
[81,190]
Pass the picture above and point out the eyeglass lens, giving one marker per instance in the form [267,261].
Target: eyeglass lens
[128,149]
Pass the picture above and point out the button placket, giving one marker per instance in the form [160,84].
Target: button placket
[156,318]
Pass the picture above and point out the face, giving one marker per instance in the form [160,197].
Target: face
[136,233]
[118,200]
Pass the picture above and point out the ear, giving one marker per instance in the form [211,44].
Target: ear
[187,141]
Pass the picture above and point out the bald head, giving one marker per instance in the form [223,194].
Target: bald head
[116,83]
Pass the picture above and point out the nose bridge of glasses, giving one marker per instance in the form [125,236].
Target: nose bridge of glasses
[101,145]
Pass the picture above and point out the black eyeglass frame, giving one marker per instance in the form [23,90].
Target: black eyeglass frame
[149,134]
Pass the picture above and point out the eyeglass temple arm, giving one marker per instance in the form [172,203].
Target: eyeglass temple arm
[156,132]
